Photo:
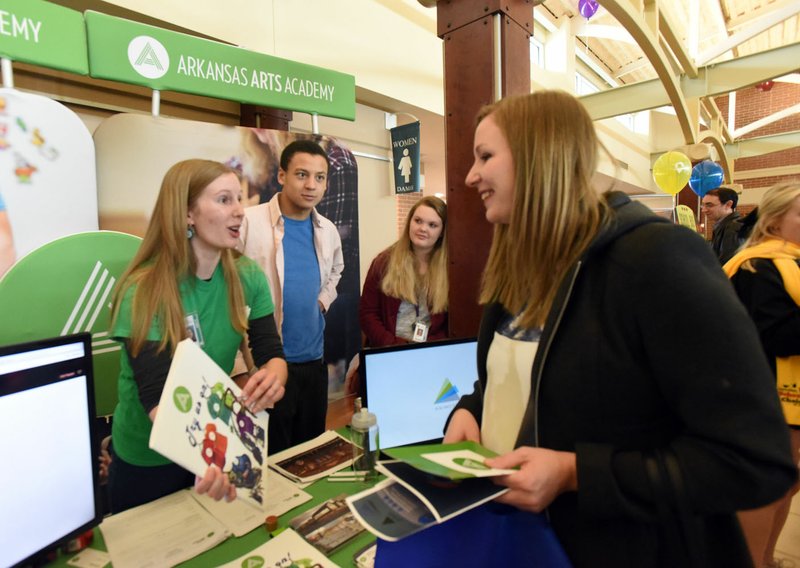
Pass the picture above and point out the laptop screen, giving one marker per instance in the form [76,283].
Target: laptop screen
[47,417]
[412,388]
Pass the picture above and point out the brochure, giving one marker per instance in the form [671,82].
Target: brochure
[315,459]
[437,483]
[462,460]
[201,421]
[328,525]
[286,549]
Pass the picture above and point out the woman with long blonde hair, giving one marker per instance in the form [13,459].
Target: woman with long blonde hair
[186,281]
[766,275]
[593,369]
[405,292]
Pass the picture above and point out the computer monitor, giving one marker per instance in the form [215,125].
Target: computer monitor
[47,442]
[412,388]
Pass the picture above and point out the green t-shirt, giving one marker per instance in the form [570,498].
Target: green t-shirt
[205,305]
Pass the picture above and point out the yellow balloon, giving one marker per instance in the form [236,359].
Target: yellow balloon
[671,172]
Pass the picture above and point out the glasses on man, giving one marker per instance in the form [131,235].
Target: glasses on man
[709,205]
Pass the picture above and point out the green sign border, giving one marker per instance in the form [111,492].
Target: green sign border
[179,62]
[41,33]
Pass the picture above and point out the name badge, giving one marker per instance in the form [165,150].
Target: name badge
[194,329]
[420,333]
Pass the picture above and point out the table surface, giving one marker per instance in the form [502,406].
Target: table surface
[234,547]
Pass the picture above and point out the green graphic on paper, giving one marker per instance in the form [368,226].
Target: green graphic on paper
[44,34]
[253,562]
[66,287]
[122,50]
[470,463]
[182,399]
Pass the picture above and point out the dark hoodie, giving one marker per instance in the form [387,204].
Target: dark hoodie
[624,367]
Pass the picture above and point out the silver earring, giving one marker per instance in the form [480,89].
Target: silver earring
[189,232]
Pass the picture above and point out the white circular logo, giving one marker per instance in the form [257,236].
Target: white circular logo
[148,57]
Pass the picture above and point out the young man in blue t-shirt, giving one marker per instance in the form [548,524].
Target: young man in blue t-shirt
[301,253]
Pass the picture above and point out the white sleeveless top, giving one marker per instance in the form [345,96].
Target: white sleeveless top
[508,368]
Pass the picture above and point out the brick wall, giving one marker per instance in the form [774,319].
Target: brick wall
[752,105]
[405,201]
[743,211]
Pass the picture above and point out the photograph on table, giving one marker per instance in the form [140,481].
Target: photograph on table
[328,525]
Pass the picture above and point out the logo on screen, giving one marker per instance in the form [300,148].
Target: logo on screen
[448,393]
[148,57]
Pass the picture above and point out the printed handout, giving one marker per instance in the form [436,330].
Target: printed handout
[314,459]
[328,526]
[164,532]
[240,517]
[286,549]
[462,460]
[201,421]
[432,484]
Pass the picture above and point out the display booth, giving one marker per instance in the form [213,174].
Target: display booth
[55,181]
[73,207]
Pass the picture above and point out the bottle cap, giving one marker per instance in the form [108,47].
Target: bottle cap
[363,419]
[271,523]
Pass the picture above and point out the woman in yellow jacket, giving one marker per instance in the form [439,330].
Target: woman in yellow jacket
[766,275]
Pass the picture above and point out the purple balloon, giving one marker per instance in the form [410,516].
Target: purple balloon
[587,8]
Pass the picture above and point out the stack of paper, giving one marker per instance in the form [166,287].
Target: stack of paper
[433,484]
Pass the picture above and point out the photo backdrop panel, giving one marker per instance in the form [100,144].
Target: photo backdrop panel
[66,287]
[135,151]
[48,187]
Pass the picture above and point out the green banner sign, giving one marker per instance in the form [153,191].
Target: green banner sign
[130,52]
[44,34]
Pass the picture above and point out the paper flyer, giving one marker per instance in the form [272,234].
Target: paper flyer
[462,460]
[200,422]
[314,459]
[286,549]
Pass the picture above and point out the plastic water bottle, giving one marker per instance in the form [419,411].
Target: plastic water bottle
[364,428]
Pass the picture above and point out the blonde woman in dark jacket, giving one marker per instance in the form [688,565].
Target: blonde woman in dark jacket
[591,360]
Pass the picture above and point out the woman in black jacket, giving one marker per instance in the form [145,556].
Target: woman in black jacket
[766,276]
[593,357]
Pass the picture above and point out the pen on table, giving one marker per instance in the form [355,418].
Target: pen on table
[347,476]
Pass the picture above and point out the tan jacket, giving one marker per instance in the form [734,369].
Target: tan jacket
[262,240]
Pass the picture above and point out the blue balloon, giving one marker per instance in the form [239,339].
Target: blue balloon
[587,8]
[706,175]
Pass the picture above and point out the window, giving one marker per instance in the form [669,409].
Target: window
[537,53]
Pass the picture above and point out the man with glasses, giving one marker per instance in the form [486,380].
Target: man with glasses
[719,205]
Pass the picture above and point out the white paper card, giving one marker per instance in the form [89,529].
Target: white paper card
[201,421]
[164,532]
[287,549]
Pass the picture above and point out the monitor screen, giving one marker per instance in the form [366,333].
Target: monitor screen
[48,446]
[412,388]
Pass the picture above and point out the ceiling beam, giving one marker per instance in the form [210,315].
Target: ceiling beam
[724,157]
[716,116]
[667,30]
[756,27]
[712,80]
[769,119]
[646,35]
[763,145]
[758,11]
[582,28]
[631,67]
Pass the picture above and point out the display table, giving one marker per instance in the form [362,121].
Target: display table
[233,547]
